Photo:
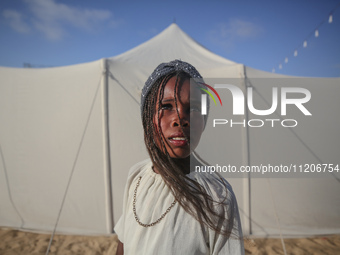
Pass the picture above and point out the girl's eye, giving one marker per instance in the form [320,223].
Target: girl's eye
[166,106]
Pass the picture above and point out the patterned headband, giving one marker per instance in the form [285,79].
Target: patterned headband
[163,70]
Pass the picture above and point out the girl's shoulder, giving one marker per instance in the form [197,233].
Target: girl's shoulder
[142,172]
[139,169]
[215,185]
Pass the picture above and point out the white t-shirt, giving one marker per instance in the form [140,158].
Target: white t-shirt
[178,232]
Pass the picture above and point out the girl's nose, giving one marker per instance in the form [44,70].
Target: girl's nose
[181,118]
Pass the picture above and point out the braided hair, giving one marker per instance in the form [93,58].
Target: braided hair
[187,192]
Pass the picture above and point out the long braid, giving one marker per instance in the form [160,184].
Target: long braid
[187,192]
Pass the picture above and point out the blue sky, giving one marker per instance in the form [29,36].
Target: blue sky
[259,34]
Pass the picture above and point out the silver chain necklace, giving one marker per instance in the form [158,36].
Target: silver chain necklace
[135,213]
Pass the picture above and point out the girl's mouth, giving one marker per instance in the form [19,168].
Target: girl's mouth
[178,138]
[178,141]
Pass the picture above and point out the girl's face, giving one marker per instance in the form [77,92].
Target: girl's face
[177,139]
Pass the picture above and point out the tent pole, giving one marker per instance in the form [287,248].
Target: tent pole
[247,152]
[107,141]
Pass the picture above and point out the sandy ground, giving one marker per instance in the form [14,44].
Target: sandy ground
[25,243]
[329,245]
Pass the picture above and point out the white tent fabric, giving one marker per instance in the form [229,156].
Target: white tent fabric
[82,123]
[307,205]
[53,125]
[294,204]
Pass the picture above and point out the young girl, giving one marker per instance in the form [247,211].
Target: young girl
[168,207]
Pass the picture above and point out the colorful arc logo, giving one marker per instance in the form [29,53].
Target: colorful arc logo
[204,97]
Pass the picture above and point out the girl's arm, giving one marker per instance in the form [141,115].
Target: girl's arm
[120,248]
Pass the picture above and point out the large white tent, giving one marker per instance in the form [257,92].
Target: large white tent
[70,134]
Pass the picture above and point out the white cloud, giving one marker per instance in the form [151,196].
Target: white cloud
[226,34]
[53,19]
[15,21]
[242,29]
